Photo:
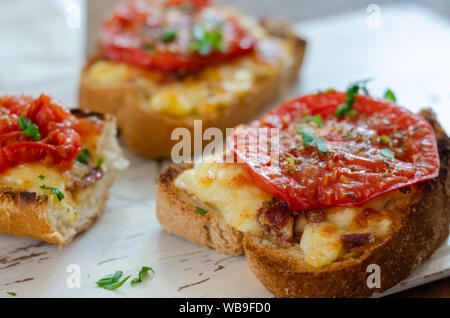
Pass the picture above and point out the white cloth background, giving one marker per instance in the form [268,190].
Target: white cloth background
[42,46]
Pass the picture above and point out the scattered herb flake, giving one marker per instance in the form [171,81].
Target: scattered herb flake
[111,282]
[100,162]
[346,108]
[28,128]
[387,153]
[144,271]
[11,294]
[55,191]
[317,119]
[390,95]
[206,41]
[149,47]
[168,35]
[201,211]
[42,177]
[352,197]
[310,140]
[84,156]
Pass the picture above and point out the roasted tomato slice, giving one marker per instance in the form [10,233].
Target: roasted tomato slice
[172,35]
[327,160]
[24,152]
[41,129]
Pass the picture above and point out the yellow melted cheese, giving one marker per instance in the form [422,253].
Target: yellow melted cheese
[229,189]
[26,177]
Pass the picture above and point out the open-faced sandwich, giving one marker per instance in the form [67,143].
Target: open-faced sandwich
[56,167]
[358,182]
[163,63]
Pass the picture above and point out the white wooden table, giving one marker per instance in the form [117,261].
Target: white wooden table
[409,53]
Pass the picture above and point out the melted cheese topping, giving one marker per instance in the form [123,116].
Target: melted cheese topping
[27,177]
[208,90]
[229,189]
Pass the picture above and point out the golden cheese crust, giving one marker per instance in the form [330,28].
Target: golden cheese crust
[148,132]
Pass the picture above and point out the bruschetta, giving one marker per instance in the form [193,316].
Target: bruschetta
[56,167]
[161,64]
[358,182]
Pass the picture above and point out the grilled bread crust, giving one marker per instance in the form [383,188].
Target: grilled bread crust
[27,214]
[417,232]
[149,133]
[177,213]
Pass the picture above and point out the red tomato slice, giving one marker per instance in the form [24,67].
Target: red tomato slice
[12,138]
[381,148]
[24,152]
[61,133]
[134,34]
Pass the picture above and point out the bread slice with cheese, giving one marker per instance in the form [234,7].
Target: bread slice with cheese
[407,226]
[30,211]
[222,95]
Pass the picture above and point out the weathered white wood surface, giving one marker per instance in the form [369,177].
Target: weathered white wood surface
[409,53]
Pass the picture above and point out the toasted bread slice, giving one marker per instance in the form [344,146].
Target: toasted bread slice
[418,230]
[177,212]
[148,132]
[38,214]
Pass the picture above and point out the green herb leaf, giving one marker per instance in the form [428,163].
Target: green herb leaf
[111,282]
[321,146]
[310,140]
[387,153]
[100,162]
[390,95]
[148,47]
[42,177]
[110,279]
[316,119]
[206,41]
[201,211]
[28,128]
[11,293]
[144,271]
[55,191]
[352,197]
[353,90]
[168,35]
[84,156]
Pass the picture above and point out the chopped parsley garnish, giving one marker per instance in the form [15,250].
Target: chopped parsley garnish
[149,47]
[346,108]
[144,271]
[84,156]
[310,140]
[387,153]
[352,197]
[201,211]
[206,41]
[42,177]
[55,191]
[168,35]
[11,293]
[316,119]
[111,282]
[100,162]
[28,128]
[390,95]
